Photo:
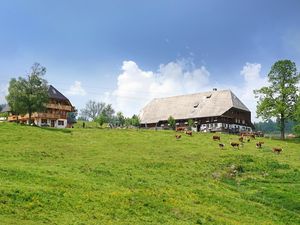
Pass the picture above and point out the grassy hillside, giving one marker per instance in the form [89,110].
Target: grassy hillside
[102,176]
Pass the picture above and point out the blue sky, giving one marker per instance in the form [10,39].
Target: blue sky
[103,50]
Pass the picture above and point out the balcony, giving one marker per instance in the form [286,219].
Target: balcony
[48,116]
[59,106]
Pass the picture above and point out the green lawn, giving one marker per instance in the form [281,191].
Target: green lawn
[103,176]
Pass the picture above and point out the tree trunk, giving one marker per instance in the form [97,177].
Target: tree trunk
[29,119]
[282,127]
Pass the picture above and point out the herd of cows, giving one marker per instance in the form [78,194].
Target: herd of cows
[243,138]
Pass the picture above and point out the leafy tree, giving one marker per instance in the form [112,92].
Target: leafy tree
[120,119]
[28,95]
[128,122]
[101,119]
[135,121]
[71,117]
[172,122]
[190,123]
[297,118]
[108,113]
[279,99]
[92,110]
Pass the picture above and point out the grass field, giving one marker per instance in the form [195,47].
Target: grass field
[103,176]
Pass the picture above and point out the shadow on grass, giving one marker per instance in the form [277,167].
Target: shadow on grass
[62,130]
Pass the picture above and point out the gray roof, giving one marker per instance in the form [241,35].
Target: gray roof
[54,93]
[205,104]
[6,108]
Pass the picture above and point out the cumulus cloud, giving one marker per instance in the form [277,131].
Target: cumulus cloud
[76,89]
[3,92]
[136,87]
[253,79]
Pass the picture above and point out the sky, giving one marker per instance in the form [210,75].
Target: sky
[128,52]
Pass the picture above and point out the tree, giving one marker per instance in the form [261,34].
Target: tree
[279,99]
[135,121]
[71,117]
[120,119]
[101,119]
[172,122]
[108,113]
[190,123]
[92,110]
[297,117]
[28,95]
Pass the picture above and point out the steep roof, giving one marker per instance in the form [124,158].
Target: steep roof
[54,93]
[6,108]
[205,104]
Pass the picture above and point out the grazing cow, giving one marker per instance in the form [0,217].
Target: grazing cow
[180,129]
[235,144]
[258,145]
[277,150]
[177,136]
[189,132]
[216,137]
[221,145]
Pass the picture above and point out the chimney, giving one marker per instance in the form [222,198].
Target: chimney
[215,89]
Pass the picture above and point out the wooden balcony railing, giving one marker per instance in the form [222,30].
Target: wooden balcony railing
[58,106]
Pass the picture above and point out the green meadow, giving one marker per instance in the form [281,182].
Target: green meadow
[123,176]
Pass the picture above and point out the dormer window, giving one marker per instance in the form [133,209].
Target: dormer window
[208,96]
[196,104]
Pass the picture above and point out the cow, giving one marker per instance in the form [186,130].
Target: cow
[221,145]
[259,144]
[189,132]
[241,139]
[277,150]
[235,144]
[177,136]
[216,137]
[180,129]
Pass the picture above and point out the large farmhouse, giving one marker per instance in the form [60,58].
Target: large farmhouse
[55,114]
[210,111]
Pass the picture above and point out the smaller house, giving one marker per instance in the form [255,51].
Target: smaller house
[55,114]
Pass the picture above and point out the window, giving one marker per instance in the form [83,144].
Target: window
[60,123]
[44,121]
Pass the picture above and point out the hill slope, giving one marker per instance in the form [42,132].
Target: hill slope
[94,176]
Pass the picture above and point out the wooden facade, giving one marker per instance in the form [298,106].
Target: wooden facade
[54,115]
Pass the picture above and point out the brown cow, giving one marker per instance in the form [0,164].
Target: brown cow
[221,145]
[216,137]
[235,144]
[177,136]
[189,132]
[259,144]
[180,129]
[277,150]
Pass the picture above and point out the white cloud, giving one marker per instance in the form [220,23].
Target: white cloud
[3,92]
[136,87]
[76,89]
[252,80]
